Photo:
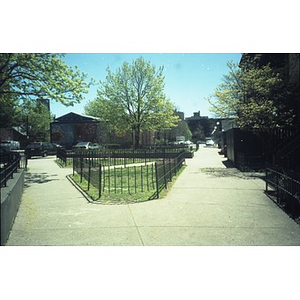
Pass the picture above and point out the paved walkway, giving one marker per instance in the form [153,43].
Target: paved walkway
[209,204]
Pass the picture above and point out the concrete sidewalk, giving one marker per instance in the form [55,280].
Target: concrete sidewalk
[209,204]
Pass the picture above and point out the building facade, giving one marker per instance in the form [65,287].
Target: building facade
[72,128]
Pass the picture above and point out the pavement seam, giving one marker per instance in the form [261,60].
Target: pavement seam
[137,229]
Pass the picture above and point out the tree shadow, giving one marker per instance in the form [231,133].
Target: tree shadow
[37,178]
[231,171]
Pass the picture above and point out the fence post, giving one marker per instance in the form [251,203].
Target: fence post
[170,168]
[115,179]
[134,178]
[128,182]
[267,179]
[156,179]
[108,179]
[147,168]
[89,175]
[121,180]
[277,187]
[100,173]
[142,182]
[81,168]
[165,177]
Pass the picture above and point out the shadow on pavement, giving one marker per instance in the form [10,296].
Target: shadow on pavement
[231,171]
[40,178]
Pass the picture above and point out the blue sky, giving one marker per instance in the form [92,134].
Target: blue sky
[189,77]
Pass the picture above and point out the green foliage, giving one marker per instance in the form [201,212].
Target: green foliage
[34,118]
[254,96]
[133,99]
[198,133]
[40,75]
[182,129]
[228,93]
[8,106]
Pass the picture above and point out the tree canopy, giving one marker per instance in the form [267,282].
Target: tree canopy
[254,96]
[133,99]
[182,129]
[29,76]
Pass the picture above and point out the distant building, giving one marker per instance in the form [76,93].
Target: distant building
[72,128]
[201,126]
[180,114]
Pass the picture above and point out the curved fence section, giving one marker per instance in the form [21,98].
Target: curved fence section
[127,175]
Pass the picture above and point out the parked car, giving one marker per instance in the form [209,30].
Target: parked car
[201,142]
[40,149]
[7,156]
[82,145]
[94,146]
[209,142]
[10,145]
[58,146]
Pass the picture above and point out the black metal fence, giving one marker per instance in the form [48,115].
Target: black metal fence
[10,165]
[249,162]
[109,157]
[127,178]
[285,189]
[165,170]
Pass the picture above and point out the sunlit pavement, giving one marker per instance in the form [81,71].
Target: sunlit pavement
[208,205]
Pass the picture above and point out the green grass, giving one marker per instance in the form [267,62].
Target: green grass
[116,195]
[165,192]
[61,164]
[112,197]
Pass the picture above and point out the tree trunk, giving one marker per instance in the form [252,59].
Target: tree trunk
[137,131]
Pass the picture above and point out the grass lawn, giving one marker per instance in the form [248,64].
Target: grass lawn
[117,195]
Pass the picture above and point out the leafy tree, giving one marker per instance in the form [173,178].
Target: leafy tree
[29,76]
[182,129]
[254,96]
[8,107]
[228,93]
[34,119]
[198,133]
[133,99]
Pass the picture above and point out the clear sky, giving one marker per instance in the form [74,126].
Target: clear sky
[189,77]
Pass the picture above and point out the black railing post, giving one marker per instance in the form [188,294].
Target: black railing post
[128,182]
[115,179]
[100,174]
[156,179]
[81,168]
[134,178]
[121,180]
[267,179]
[277,185]
[165,177]
[89,174]
[142,181]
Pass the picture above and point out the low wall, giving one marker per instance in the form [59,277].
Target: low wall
[10,202]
